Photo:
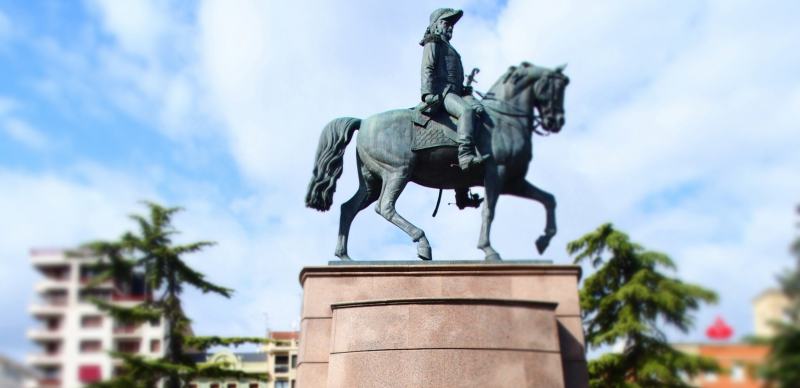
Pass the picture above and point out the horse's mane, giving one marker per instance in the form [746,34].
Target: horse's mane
[513,77]
[516,73]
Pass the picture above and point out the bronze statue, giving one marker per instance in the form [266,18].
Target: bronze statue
[442,82]
[421,145]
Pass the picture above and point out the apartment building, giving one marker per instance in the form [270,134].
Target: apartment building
[279,360]
[282,358]
[741,360]
[72,335]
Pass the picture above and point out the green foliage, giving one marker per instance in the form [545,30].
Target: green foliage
[203,343]
[783,364]
[626,299]
[151,254]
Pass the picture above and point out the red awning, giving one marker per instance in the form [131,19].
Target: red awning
[89,373]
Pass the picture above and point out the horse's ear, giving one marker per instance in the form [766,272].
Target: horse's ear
[560,68]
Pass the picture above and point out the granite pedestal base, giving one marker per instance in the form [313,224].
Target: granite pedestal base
[464,324]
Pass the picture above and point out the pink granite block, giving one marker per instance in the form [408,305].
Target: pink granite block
[445,368]
[444,323]
[312,375]
[315,339]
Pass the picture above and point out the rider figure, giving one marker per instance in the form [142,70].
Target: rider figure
[442,83]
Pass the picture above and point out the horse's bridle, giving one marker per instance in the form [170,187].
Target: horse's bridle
[512,110]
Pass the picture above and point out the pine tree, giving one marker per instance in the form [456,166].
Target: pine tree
[626,299]
[783,364]
[151,253]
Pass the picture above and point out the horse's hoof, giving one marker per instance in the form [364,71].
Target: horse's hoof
[541,243]
[493,257]
[424,249]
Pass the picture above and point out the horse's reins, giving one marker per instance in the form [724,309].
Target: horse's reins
[534,117]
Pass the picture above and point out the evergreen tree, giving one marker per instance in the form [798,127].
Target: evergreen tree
[783,364]
[151,254]
[626,299]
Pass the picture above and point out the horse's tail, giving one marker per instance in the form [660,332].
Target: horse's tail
[328,166]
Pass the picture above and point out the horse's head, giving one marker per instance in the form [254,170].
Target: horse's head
[548,98]
[530,88]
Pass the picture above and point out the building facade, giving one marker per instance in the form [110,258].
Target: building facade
[278,359]
[769,306]
[72,335]
[741,361]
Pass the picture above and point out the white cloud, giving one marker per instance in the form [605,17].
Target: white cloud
[137,25]
[5,27]
[24,133]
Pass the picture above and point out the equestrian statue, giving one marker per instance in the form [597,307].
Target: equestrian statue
[451,140]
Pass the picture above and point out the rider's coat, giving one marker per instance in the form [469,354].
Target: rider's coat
[441,67]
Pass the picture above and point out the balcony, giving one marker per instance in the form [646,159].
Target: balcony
[44,334]
[45,310]
[281,368]
[47,257]
[51,284]
[128,331]
[44,359]
[128,299]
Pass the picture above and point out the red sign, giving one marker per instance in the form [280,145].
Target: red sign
[719,330]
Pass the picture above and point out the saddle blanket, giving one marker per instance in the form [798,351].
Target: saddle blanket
[438,130]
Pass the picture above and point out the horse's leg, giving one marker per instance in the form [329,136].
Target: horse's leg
[523,188]
[493,182]
[368,190]
[393,185]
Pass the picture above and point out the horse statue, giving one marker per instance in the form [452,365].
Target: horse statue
[387,161]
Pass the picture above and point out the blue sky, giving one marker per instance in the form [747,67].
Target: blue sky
[681,129]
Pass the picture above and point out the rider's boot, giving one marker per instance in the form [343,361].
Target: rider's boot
[465,199]
[467,158]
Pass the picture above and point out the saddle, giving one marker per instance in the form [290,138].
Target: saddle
[434,129]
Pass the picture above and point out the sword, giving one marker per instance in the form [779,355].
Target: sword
[471,77]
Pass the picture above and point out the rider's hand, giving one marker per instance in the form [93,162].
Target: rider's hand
[479,109]
[467,90]
[431,99]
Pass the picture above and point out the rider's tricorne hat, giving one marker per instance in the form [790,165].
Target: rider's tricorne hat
[446,13]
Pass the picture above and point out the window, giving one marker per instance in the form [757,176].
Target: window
[89,321]
[55,298]
[294,361]
[215,385]
[281,364]
[281,383]
[90,346]
[231,385]
[52,348]
[89,373]
[128,346]
[253,385]
[53,324]
[737,373]
[155,346]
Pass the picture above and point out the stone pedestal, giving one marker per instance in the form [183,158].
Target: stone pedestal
[441,324]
